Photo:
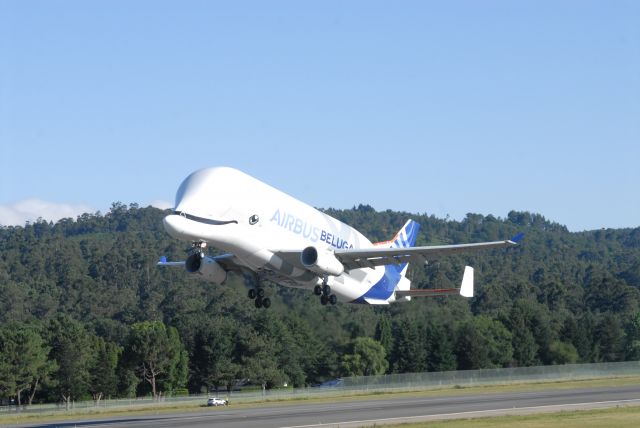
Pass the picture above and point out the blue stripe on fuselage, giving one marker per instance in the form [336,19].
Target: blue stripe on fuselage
[384,288]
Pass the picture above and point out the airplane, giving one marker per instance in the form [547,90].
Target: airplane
[269,235]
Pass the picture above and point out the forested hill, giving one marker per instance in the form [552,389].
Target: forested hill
[90,286]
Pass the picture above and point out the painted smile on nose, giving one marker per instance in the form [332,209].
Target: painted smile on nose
[204,220]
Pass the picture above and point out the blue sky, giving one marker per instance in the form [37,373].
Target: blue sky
[442,108]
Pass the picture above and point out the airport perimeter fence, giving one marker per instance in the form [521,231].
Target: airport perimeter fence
[367,384]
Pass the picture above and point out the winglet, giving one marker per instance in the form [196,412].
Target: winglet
[516,239]
[163,259]
[466,289]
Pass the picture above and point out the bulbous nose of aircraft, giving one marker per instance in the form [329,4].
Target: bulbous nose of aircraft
[175,225]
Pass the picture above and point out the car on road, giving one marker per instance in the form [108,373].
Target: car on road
[215,401]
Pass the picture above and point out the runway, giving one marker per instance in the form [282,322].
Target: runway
[367,412]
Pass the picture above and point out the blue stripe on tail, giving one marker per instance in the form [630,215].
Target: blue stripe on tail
[404,239]
[407,235]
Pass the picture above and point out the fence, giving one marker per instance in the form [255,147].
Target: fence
[370,384]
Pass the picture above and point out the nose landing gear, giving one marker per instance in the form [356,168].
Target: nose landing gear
[199,247]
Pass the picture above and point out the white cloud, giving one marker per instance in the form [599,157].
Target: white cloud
[163,205]
[18,213]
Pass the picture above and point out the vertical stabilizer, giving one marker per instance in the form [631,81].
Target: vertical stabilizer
[466,289]
[406,237]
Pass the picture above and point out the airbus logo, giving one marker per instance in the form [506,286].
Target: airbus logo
[308,231]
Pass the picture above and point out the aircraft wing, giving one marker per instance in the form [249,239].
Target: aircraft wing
[371,257]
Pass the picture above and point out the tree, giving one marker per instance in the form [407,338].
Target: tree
[610,339]
[440,355]
[563,353]
[579,334]
[367,358]
[311,352]
[483,343]
[7,373]
[256,355]
[71,350]
[157,355]
[211,363]
[31,364]
[288,352]
[524,344]
[383,333]
[409,352]
[607,293]
[103,376]
[43,377]
[633,338]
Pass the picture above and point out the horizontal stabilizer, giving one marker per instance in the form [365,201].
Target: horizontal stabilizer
[465,290]
[426,292]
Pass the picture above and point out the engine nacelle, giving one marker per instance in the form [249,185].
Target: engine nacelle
[206,268]
[323,262]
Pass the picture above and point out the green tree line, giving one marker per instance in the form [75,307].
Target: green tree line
[85,314]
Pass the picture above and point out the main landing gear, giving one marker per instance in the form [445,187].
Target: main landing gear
[257,293]
[324,291]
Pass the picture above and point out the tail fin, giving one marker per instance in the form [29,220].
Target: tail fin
[406,237]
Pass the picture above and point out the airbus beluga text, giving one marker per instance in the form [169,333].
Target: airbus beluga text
[269,235]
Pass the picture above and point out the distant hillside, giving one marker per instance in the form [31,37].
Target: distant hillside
[558,297]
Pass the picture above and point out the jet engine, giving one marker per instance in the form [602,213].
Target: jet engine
[206,268]
[322,262]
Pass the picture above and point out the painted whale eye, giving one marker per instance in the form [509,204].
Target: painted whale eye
[254,219]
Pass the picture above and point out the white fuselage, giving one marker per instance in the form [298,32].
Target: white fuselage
[239,214]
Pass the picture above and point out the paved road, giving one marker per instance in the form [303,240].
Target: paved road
[353,413]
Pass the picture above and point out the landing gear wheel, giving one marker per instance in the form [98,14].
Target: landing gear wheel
[253,293]
[266,302]
[317,290]
[259,303]
[324,300]
[333,299]
[326,290]
[260,292]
